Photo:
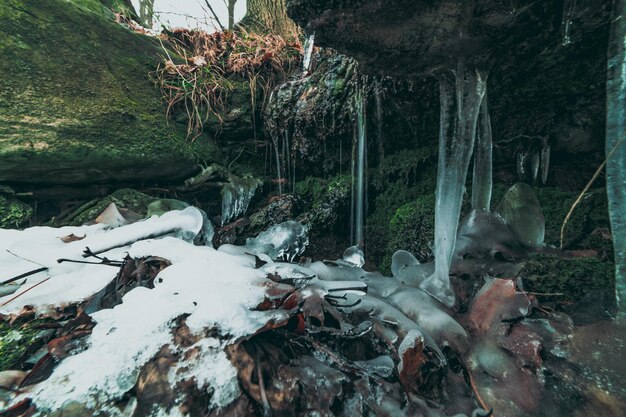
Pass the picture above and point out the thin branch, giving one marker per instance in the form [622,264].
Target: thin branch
[589,184]
[214,15]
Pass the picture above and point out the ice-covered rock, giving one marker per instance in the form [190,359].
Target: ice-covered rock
[353,256]
[236,197]
[283,241]
[521,211]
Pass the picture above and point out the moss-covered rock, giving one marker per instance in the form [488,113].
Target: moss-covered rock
[76,101]
[573,278]
[124,198]
[14,343]
[330,208]
[13,213]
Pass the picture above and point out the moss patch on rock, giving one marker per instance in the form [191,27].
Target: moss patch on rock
[573,278]
[14,343]
[77,104]
[124,198]
[13,213]
[330,208]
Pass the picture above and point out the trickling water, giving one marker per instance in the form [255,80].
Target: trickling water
[279,178]
[379,122]
[545,161]
[358,163]
[461,94]
[308,52]
[616,148]
[287,159]
[566,21]
[482,181]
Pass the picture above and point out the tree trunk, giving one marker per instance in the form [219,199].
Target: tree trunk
[146,13]
[231,14]
[270,16]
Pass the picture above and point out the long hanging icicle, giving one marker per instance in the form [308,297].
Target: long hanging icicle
[616,148]
[566,21]
[482,181]
[461,94]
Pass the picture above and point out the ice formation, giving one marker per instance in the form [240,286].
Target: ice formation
[283,241]
[353,256]
[236,197]
[461,94]
[482,177]
[521,211]
[309,44]
[616,146]
[569,6]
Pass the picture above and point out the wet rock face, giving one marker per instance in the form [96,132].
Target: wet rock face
[417,37]
[540,86]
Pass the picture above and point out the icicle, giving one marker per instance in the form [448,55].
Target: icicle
[308,53]
[616,148]
[236,197]
[534,165]
[545,161]
[566,22]
[459,114]
[482,181]
[287,158]
[358,182]
[521,165]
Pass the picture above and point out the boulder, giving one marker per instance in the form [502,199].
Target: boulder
[77,103]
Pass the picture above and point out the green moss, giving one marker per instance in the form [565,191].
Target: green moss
[76,101]
[14,343]
[13,213]
[571,277]
[329,202]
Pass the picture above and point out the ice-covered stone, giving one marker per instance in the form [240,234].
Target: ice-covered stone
[521,211]
[353,256]
[283,241]
[236,197]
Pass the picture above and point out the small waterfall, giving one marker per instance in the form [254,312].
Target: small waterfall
[308,53]
[359,162]
[616,147]
[461,95]
[569,6]
[482,181]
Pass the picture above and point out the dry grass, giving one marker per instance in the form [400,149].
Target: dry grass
[199,86]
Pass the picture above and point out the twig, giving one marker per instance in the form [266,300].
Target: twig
[215,15]
[591,181]
[24,292]
[24,275]
[477,394]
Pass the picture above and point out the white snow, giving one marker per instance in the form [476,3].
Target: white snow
[212,289]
